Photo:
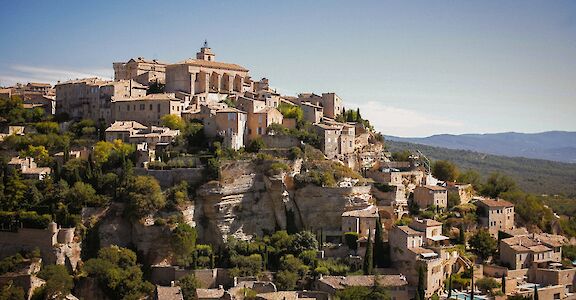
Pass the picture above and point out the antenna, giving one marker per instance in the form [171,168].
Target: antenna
[205,43]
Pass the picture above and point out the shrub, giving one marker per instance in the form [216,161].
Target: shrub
[351,239]
[255,145]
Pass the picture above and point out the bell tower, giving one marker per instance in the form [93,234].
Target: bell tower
[205,53]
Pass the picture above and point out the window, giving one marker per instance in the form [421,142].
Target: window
[151,107]
[142,106]
[158,107]
[128,107]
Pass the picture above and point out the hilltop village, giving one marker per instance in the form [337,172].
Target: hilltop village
[192,180]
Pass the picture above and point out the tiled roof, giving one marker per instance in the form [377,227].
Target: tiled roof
[169,293]
[282,295]
[433,187]
[163,96]
[409,230]
[495,203]
[341,282]
[368,212]
[125,126]
[213,64]
[209,293]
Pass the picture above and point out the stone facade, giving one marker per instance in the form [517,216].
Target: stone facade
[428,195]
[495,215]
[141,70]
[91,98]
[147,110]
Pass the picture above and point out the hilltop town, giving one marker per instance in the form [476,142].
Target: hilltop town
[192,180]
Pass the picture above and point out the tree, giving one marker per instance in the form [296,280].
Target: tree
[470,176]
[487,284]
[453,199]
[503,284]
[381,251]
[368,263]
[363,292]
[155,88]
[450,286]
[304,240]
[173,122]
[535,293]
[188,284]
[444,170]
[11,292]
[483,243]
[58,282]
[255,145]
[83,194]
[184,241]
[39,153]
[286,280]
[351,239]
[497,184]
[421,291]
[472,282]
[144,196]
[462,235]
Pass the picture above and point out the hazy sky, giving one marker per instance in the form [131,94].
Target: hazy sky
[414,68]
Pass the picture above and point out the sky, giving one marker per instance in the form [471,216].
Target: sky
[414,68]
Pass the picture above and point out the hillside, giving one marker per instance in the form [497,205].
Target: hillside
[532,175]
[552,145]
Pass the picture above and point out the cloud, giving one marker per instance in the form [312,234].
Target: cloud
[23,74]
[404,122]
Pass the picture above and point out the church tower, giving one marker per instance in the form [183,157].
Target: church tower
[205,53]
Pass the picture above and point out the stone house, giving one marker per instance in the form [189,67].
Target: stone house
[168,293]
[495,215]
[360,221]
[28,168]
[522,252]
[312,113]
[259,115]
[335,138]
[428,195]
[91,98]
[331,103]
[141,70]
[421,244]
[396,285]
[231,125]
[148,109]
[464,190]
[205,75]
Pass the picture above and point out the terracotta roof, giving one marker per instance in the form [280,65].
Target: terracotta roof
[230,109]
[282,295]
[429,222]
[163,96]
[213,64]
[341,282]
[36,170]
[409,230]
[368,212]
[420,250]
[124,126]
[169,293]
[39,84]
[539,248]
[433,187]
[209,293]
[495,203]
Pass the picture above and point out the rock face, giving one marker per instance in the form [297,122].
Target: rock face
[247,203]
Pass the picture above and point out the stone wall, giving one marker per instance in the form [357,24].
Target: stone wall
[280,141]
[168,178]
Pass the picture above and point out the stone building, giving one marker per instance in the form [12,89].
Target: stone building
[204,75]
[533,250]
[421,244]
[147,109]
[335,138]
[231,125]
[495,215]
[428,195]
[28,168]
[141,70]
[396,285]
[312,113]
[259,115]
[360,221]
[465,191]
[91,98]
[134,133]
[331,103]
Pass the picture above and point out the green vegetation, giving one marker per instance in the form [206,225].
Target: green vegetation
[444,170]
[173,122]
[487,284]
[118,274]
[324,173]
[58,282]
[360,293]
[291,111]
[484,244]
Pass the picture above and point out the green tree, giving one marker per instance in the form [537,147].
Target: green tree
[381,250]
[39,153]
[11,292]
[444,170]
[188,284]
[503,284]
[483,243]
[420,290]
[47,127]
[496,184]
[351,239]
[155,88]
[286,280]
[368,262]
[173,122]
[304,240]
[487,284]
[184,241]
[58,282]
[144,196]
[470,176]
[83,194]
[535,293]
[255,145]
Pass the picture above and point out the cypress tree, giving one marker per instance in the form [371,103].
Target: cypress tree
[420,292]
[462,235]
[450,287]
[379,251]
[368,263]
[472,283]
[535,293]
[504,284]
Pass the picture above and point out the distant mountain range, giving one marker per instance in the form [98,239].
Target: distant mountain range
[551,145]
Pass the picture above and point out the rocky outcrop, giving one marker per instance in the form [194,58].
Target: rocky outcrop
[249,203]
